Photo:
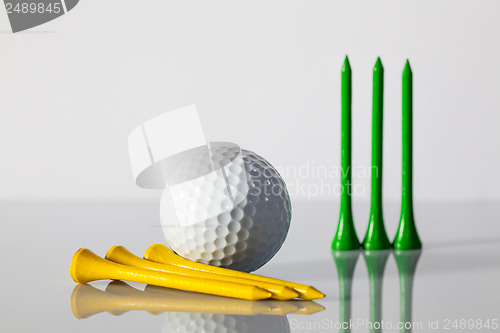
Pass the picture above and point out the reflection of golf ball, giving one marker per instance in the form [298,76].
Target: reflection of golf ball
[243,234]
[212,323]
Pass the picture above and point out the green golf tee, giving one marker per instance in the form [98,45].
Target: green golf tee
[345,237]
[407,236]
[376,236]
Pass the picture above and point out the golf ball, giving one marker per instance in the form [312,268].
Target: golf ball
[241,231]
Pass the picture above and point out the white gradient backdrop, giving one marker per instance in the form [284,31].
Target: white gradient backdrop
[265,75]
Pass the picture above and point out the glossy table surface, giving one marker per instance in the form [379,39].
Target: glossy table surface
[451,285]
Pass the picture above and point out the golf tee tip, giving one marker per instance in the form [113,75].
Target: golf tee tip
[407,68]
[346,66]
[309,293]
[258,294]
[284,294]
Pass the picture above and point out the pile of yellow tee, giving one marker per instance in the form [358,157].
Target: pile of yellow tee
[161,267]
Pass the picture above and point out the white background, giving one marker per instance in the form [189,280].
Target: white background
[265,75]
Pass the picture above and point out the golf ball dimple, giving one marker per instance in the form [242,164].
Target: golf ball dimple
[242,232]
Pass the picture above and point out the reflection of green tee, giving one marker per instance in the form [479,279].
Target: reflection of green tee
[345,261]
[375,264]
[407,264]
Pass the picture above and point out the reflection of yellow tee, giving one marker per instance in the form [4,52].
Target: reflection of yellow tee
[119,297]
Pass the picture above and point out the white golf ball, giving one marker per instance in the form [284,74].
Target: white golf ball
[241,231]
